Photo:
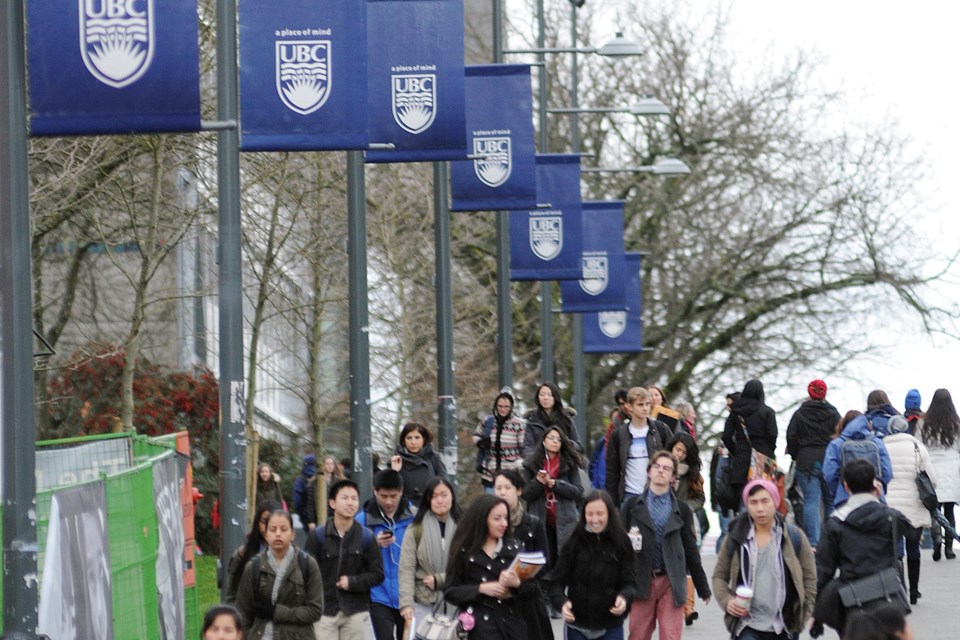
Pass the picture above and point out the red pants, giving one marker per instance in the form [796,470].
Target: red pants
[657,610]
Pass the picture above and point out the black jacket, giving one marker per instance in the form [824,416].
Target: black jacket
[531,533]
[536,424]
[857,539]
[591,574]
[810,430]
[418,469]
[680,554]
[761,424]
[618,450]
[494,619]
[352,557]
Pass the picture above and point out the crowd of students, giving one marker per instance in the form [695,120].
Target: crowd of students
[625,552]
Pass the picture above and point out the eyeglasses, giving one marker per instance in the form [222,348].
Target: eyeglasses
[659,467]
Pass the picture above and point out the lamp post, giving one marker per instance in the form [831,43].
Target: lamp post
[617,48]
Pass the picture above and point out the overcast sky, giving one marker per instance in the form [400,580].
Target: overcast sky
[897,60]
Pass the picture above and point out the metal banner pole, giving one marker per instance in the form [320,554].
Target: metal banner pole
[360,441]
[233,443]
[446,393]
[20,588]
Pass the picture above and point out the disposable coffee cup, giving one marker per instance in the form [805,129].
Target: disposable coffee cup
[744,596]
[636,538]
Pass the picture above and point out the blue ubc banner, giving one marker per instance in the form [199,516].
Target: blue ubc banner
[603,285]
[415,80]
[112,67]
[546,244]
[618,331]
[303,75]
[501,173]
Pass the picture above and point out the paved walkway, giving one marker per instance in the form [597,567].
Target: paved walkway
[933,617]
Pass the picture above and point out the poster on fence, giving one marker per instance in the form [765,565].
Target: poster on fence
[76,596]
[166,494]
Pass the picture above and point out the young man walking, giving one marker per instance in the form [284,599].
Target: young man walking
[771,558]
[350,566]
[667,553]
[810,431]
[860,540]
[387,514]
[629,447]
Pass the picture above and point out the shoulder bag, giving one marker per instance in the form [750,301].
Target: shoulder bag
[928,494]
[885,585]
[764,467]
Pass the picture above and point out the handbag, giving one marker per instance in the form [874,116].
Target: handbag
[928,494]
[886,585]
[440,626]
[761,465]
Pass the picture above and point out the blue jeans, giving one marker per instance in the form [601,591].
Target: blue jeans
[613,633]
[811,484]
[725,518]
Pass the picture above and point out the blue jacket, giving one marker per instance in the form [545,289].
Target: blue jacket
[598,464]
[387,592]
[856,429]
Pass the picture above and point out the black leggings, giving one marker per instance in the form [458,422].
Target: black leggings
[937,532]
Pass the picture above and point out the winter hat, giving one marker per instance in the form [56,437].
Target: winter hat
[913,399]
[817,389]
[897,424]
[766,484]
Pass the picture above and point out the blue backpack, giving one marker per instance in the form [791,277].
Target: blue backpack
[865,448]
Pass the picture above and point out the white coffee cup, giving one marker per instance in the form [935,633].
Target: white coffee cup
[636,538]
[744,596]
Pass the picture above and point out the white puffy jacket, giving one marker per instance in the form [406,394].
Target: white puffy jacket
[908,457]
[947,464]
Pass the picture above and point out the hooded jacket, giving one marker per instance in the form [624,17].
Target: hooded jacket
[878,417]
[300,486]
[857,539]
[809,432]
[500,441]
[387,592]
[856,429]
[761,424]
[733,564]
[299,600]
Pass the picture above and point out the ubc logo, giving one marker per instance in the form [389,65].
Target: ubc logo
[546,236]
[612,323]
[303,74]
[595,274]
[493,166]
[116,39]
[414,101]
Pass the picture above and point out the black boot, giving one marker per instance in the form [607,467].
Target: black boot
[948,548]
[913,576]
[937,537]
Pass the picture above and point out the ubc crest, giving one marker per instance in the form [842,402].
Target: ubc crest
[596,274]
[494,162]
[117,39]
[546,236]
[303,74]
[612,323]
[414,98]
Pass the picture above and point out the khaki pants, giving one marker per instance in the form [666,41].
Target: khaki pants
[341,626]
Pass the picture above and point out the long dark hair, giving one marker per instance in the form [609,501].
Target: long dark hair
[556,415]
[472,532]
[877,398]
[416,426]
[254,539]
[570,458]
[613,536]
[941,424]
[693,451]
[424,507]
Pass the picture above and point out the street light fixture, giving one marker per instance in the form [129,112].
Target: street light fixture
[649,106]
[620,47]
[667,167]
